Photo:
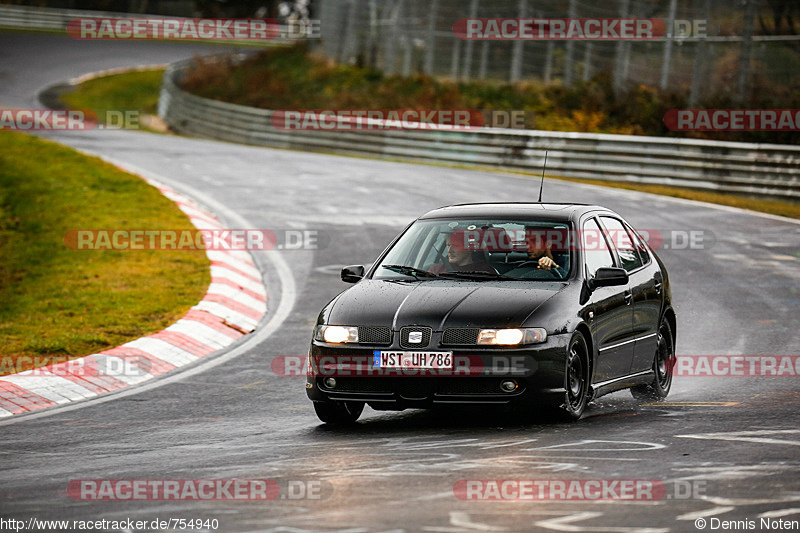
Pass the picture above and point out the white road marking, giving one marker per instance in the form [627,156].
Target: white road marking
[579,446]
[506,444]
[757,436]
[720,500]
[564,523]
[714,511]
[731,472]
[462,522]
[780,513]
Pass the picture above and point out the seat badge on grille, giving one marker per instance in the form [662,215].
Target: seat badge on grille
[414,337]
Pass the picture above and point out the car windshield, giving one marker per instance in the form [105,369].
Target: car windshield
[480,249]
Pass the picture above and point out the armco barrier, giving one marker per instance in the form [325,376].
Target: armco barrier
[41,18]
[757,169]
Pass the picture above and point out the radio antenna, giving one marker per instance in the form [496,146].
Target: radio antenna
[541,185]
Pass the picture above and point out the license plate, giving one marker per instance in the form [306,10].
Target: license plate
[386,359]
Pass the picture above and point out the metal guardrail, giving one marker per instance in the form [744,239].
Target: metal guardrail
[52,18]
[758,169]
[38,18]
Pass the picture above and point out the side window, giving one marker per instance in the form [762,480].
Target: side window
[595,247]
[640,245]
[623,242]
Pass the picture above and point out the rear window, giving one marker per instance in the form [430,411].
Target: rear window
[595,248]
[622,240]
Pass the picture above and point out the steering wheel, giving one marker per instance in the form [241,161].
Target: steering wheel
[529,264]
[533,263]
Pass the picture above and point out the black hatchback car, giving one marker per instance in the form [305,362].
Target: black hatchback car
[546,306]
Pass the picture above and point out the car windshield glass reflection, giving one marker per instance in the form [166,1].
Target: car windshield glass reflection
[480,249]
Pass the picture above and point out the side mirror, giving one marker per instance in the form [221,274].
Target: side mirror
[353,273]
[608,277]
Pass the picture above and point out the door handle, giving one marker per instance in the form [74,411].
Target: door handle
[628,297]
[657,282]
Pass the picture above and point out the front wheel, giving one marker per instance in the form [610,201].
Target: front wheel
[663,361]
[576,379]
[340,413]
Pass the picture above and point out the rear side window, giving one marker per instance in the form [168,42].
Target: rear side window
[640,245]
[595,247]
[623,242]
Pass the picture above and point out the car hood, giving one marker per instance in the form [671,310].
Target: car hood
[439,303]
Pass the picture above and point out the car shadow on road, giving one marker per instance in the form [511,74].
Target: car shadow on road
[476,419]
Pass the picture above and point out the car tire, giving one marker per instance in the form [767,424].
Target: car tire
[663,361]
[576,380]
[339,413]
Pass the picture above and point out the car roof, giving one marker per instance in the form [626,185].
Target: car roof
[520,210]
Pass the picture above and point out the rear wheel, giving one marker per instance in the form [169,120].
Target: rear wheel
[576,379]
[340,413]
[663,361]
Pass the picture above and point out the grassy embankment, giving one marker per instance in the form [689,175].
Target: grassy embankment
[294,78]
[135,91]
[62,303]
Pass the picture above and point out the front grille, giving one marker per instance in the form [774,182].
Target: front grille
[407,330]
[470,386]
[361,384]
[374,335]
[460,336]
[415,388]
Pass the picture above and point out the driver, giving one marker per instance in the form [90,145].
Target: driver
[540,251]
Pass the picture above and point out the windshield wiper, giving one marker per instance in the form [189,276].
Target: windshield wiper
[414,272]
[477,274]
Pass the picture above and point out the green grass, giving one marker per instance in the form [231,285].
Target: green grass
[136,90]
[130,91]
[62,302]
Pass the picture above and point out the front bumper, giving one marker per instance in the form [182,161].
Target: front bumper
[537,369]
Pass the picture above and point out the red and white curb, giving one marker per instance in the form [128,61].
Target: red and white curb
[234,304]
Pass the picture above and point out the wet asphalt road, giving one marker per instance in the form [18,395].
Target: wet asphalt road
[736,441]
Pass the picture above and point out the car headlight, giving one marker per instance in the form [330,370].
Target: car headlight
[512,337]
[336,334]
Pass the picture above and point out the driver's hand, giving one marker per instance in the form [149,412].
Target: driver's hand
[546,262]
